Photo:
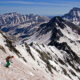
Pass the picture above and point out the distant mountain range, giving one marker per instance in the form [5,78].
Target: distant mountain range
[25,25]
[16,19]
[14,23]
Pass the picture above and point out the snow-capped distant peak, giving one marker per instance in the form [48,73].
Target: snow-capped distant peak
[73,16]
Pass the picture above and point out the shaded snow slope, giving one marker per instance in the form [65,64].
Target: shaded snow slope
[57,30]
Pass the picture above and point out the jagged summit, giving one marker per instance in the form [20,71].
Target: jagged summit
[75,9]
[56,19]
[73,16]
[75,12]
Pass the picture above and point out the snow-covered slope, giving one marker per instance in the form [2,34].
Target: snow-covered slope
[23,66]
[73,16]
[38,62]
[57,30]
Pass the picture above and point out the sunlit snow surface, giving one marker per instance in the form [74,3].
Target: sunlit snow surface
[35,69]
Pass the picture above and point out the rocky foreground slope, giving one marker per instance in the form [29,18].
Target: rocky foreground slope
[38,62]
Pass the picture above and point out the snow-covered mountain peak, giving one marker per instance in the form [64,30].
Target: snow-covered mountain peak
[56,19]
[75,9]
[73,16]
[75,12]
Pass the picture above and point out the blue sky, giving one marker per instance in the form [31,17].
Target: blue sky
[41,7]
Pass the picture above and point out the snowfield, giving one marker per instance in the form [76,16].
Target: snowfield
[37,62]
